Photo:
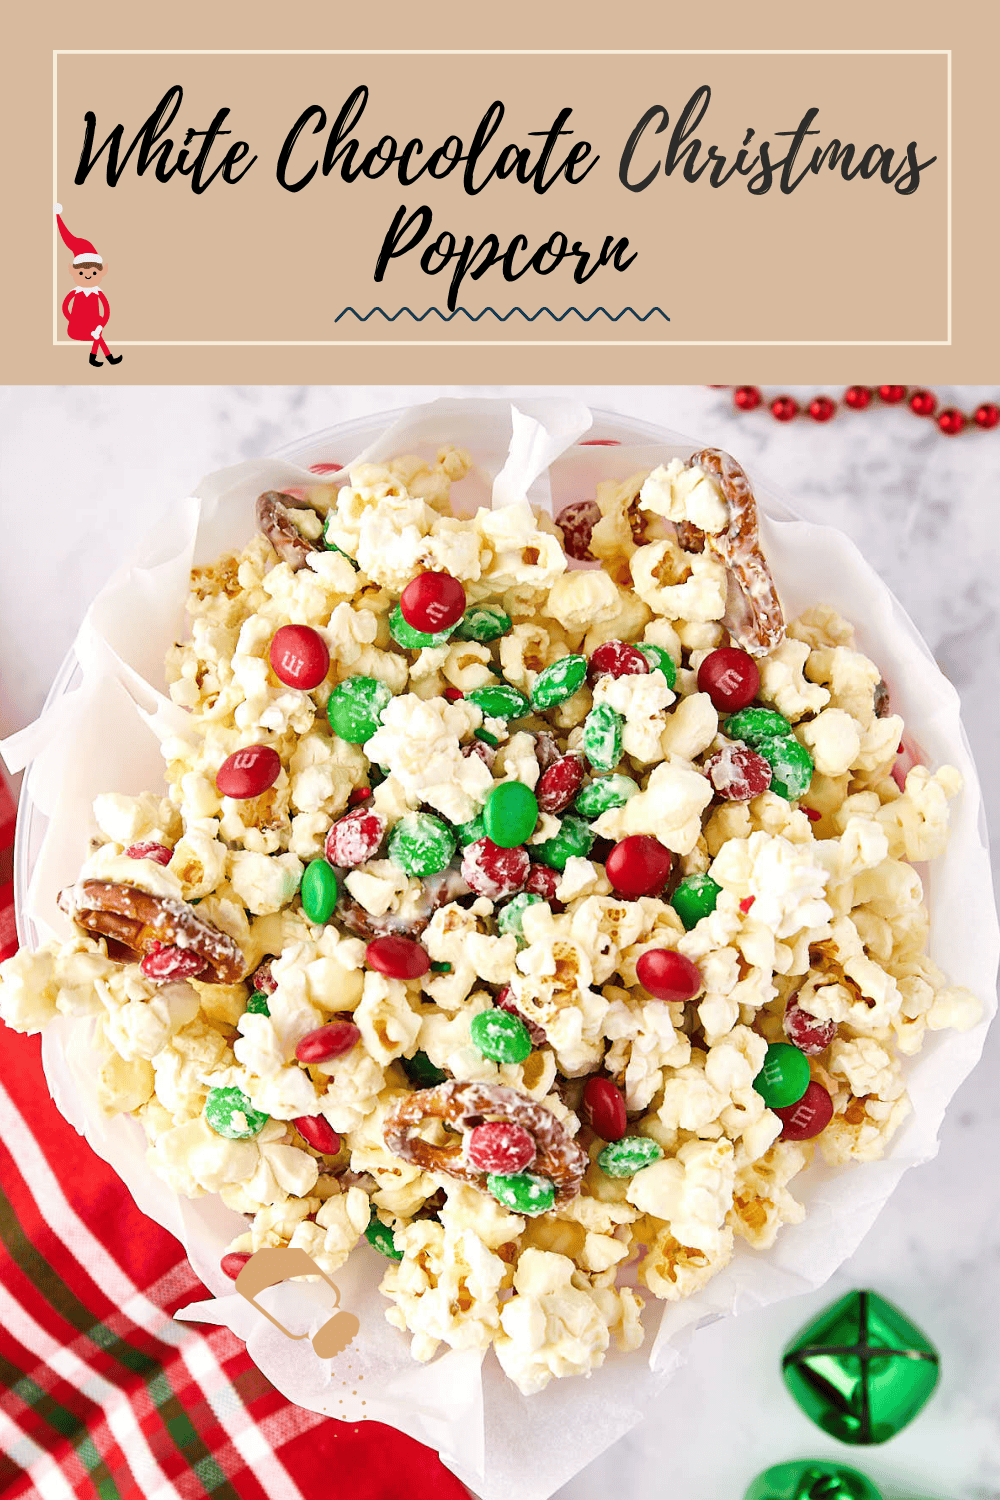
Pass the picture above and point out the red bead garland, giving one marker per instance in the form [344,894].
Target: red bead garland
[923,403]
[821,408]
[951,421]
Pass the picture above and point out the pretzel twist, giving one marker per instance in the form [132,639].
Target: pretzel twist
[559,1157]
[437,890]
[762,624]
[139,921]
[281,531]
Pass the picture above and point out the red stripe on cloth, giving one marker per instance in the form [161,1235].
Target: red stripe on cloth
[8,923]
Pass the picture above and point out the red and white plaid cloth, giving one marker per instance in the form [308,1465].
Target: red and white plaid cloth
[101,1392]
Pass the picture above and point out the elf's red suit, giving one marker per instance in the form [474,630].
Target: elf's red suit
[87,311]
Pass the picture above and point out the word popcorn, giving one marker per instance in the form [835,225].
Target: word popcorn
[536,925]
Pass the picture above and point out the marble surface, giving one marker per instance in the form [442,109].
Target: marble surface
[84,473]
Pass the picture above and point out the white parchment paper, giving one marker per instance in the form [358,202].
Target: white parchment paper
[104,734]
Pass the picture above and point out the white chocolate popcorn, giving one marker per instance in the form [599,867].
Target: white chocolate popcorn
[420,742]
[692,1192]
[580,600]
[550,1326]
[818,905]
[682,492]
[445,1288]
[670,807]
[680,585]
[834,740]
[641,701]
[783,684]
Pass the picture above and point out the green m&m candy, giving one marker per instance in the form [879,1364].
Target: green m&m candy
[695,898]
[482,622]
[604,794]
[500,1036]
[602,737]
[629,1155]
[522,1192]
[499,701]
[559,682]
[331,546]
[659,660]
[421,844]
[510,813]
[414,640]
[318,891]
[751,725]
[382,1238]
[355,708]
[257,1004]
[469,833]
[791,765]
[574,840]
[229,1113]
[784,1077]
[511,918]
[420,1070]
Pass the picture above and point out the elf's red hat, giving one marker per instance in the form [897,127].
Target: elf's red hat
[82,249]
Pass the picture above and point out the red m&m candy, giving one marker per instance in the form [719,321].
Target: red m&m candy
[298,656]
[317,1130]
[165,963]
[432,602]
[542,881]
[262,978]
[807,1032]
[355,838]
[559,784]
[808,1116]
[397,957]
[232,1264]
[332,1040]
[738,773]
[159,853]
[604,1109]
[500,1146]
[638,865]
[616,659]
[246,773]
[495,872]
[668,975]
[730,678]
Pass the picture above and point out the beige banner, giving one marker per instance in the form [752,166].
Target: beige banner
[689,202]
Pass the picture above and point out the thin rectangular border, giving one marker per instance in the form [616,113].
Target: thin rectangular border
[510,52]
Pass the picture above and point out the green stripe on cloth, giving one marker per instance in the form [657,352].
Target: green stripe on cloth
[55,1291]
[62,1421]
[169,1407]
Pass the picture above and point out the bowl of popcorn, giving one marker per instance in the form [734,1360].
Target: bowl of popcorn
[544,915]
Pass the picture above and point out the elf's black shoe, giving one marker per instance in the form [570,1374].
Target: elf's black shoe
[115,359]
[95,361]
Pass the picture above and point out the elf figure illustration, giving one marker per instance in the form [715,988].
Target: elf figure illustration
[86,307]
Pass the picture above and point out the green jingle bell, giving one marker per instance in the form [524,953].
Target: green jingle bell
[811,1480]
[861,1371]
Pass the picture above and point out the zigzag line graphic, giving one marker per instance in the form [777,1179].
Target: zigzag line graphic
[501,317]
